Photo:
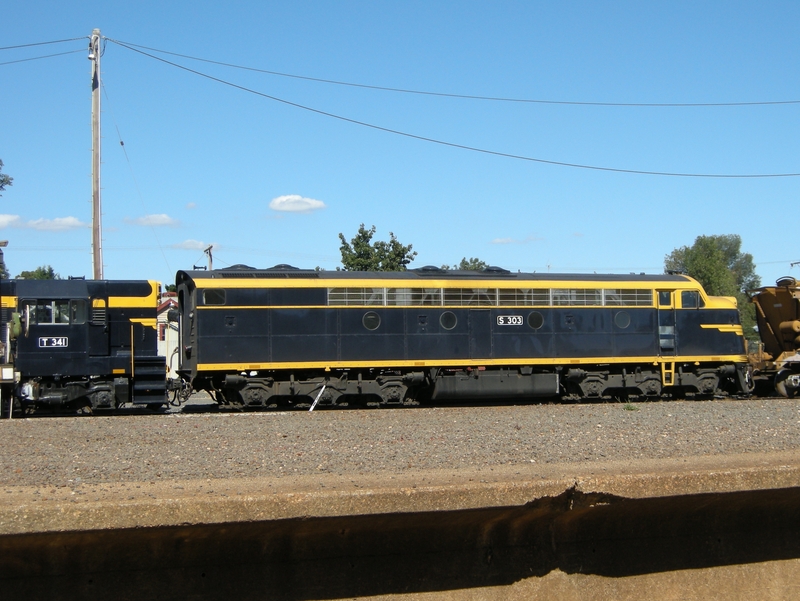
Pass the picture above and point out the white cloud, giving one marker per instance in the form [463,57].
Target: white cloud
[56,225]
[193,245]
[153,220]
[9,221]
[59,224]
[294,203]
[191,205]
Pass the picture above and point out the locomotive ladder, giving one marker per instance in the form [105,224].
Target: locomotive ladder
[667,373]
[148,377]
[148,380]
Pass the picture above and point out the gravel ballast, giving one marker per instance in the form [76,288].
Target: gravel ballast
[65,451]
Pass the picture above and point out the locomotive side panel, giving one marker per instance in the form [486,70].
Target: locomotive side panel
[634,332]
[302,334]
[582,333]
[704,332]
[230,335]
[438,334]
[371,335]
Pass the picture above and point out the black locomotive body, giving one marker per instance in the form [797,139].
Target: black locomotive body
[287,336]
[82,344]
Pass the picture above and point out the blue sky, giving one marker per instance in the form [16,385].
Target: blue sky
[207,163]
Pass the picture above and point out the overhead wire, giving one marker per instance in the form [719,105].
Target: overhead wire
[466,96]
[36,58]
[84,37]
[133,175]
[453,144]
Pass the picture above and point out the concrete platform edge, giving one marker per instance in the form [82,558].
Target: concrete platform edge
[82,506]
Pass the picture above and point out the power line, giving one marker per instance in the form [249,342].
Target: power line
[453,144]
[467,96]
[133,176]
[36,58]
[44,43]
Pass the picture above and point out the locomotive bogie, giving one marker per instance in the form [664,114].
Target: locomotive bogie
[325,389]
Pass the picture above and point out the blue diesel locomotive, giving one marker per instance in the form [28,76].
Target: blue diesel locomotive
[286,336]
[80,345]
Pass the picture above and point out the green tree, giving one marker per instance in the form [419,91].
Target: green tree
[361,254]
[5,180]
[44,272]
[471,264]
[718,263]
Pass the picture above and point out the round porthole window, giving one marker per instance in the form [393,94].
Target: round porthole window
[622,319]
[535,320]
[448,320]
[371,320]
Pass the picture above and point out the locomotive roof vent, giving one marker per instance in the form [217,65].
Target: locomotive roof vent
[281,270]
[495,269]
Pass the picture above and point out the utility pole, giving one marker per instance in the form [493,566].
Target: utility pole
[97,229]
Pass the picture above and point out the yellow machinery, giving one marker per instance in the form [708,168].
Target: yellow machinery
[778,316]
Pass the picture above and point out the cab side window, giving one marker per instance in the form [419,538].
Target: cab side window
[214,296]
[54,311]
[60,311]
[691,299]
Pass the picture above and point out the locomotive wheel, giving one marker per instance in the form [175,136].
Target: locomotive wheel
[784,388]
[392,394]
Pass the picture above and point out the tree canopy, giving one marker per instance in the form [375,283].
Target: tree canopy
[361,254]
[471,264]
[44,272]
[718,263]
[5,180]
